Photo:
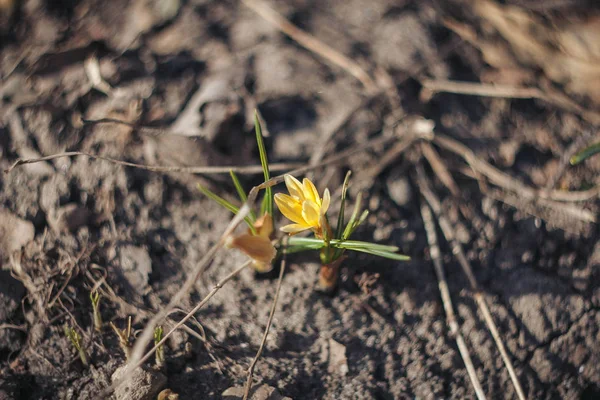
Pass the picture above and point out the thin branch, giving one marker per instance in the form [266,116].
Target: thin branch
[507,182]
[413,130]
[457,250]
[482,89]
[12,326]
[251,169]
[548,95]
[268,327]
[436,257]
[194,310]
[436,163]
[311,43]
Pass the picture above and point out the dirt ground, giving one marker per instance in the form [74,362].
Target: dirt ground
[186,76]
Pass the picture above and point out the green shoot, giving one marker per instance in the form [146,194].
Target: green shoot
[95,298]
[75,339]
[340,223]
[240,191]
[267,203]
[297,244]
[352,224]
[225,204]
[585,153]
[160,350]
[125,338]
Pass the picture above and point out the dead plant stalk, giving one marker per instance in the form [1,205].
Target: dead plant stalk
[435,253]
[457,250]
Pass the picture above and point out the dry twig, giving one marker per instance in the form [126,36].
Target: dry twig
[250,169]
[548,95]
[507,182]
[194,310]
[311,43]
[436,257]
[457,250]
[436,163]
[482,89]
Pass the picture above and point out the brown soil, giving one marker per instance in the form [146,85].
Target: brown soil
[196,70]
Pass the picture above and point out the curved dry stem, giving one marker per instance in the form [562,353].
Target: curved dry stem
[250,169]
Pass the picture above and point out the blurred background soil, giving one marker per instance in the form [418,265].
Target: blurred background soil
[186,77]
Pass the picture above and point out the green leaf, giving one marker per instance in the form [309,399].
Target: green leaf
[340,223]
[356,244]
[350,227]
[585,153]
[296,249]
[362,219]
[306,243]
[267,203]
[224,203]
[386,254]
[297,244]
[240,192]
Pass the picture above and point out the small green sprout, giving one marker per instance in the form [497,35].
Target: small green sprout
[75,339]
[95,298]
[125,338]
[160,350]
[585,154]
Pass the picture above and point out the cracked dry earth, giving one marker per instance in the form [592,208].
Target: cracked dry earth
[194,71]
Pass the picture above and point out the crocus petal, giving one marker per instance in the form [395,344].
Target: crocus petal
[294,187]
[264,225]
[294,228]
[310,213]
[289,207]
[258,248]
[310,192]
[326,201]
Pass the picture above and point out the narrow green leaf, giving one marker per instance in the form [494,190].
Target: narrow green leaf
[340,223]
[238,186]
[240,192]
[585,153]
[356,224]
[349,227]
[386,254]
[355,244]
[267,203]
[307,243]
[225,204]
[299,244]
[362,218]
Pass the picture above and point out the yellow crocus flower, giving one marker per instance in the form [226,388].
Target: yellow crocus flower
[303,206]
[258,247]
